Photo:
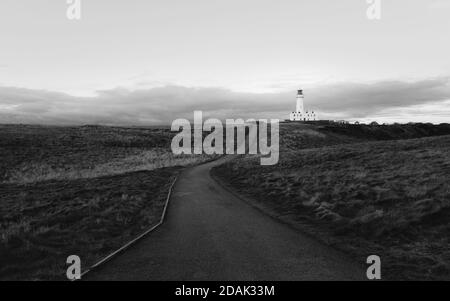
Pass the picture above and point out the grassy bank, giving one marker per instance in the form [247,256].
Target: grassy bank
[43,223]
[32,154]
[390,198]
[78,190]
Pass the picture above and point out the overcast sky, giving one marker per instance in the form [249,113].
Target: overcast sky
[151,61]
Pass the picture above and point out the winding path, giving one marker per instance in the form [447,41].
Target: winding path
[210,234]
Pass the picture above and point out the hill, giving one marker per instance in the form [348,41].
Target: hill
[389,198]
[78,190]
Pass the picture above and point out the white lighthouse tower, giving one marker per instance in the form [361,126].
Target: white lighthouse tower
[300,105]
[300,114]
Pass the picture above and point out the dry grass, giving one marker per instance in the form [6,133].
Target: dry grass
[34,153]
[143,160]
[43,223]
[78,190]
[391,198]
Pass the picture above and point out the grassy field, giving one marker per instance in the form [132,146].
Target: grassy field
[32,154]
[87,190]
[389,198]
[78,190]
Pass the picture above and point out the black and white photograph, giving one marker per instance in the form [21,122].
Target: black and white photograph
[224,147]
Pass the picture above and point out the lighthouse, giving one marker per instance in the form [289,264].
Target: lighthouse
[300,114]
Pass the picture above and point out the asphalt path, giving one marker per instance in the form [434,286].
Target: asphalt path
[211,234]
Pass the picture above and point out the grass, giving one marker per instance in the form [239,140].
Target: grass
[87,190]
[390,198]
[36,153]
[78,191]
[151,159]
[44,223]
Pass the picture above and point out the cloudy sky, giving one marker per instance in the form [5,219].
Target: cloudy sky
[151,61]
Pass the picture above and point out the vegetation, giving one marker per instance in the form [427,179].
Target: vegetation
[35,153]
[87,190]
[390,198]
[78,190]
[45,222]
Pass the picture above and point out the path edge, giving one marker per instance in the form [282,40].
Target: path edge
[135,240]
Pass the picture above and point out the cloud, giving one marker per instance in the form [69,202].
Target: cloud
[361,100]
[161,105]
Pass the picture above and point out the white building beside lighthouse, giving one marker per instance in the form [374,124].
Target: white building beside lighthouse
[300,114]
